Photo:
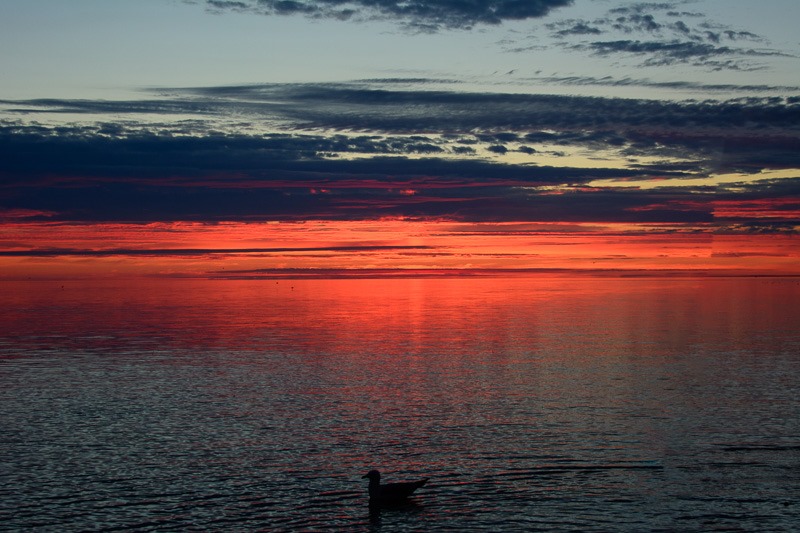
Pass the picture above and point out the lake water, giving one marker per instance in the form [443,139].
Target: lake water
[552,404]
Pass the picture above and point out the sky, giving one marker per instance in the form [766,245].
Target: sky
[270,138]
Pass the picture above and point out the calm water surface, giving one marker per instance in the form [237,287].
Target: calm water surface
[532,404]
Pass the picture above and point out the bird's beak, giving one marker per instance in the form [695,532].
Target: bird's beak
[365,476]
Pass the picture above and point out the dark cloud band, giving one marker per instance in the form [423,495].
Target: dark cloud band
[416,14]
[110,252]
[352,152]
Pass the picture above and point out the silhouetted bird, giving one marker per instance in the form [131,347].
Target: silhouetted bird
[388,493]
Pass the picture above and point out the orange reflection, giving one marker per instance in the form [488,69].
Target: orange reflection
[367,319]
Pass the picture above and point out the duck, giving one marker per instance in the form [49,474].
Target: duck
[389,493]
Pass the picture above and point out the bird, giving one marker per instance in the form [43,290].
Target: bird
[388,493]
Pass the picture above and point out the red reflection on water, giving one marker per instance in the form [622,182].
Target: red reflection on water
[603,368]
[398,317]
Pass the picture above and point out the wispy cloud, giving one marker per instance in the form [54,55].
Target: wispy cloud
[416,15]
[672,52]
[657,34]
[701,87]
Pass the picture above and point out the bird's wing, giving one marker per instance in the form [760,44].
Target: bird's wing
[399,490]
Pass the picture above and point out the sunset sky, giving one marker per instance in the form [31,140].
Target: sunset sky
[269,138]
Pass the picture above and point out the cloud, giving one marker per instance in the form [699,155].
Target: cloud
[665,53]
[659,35]
[81,174]
[417,15]
[610,81]
[745,134]
[574,27]
[142,178]
[350,107]
[55,178]
[110,252]
[353,152]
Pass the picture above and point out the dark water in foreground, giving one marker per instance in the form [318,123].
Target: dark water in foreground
[532,404]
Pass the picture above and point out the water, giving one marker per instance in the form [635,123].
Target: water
[532,404]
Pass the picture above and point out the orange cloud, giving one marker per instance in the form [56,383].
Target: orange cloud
[55,250]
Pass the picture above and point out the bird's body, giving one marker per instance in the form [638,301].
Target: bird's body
[388,493]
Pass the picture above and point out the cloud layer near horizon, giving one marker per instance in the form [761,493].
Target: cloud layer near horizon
[354,152]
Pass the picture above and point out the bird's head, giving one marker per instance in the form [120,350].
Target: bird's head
[372,474]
